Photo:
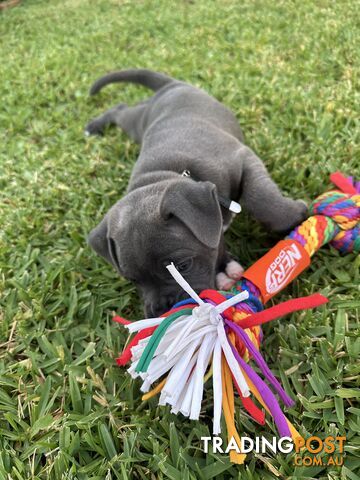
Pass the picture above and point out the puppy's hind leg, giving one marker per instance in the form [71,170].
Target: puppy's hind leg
[129,119]
[98,124]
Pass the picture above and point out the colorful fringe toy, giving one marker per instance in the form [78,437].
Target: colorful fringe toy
[175,350]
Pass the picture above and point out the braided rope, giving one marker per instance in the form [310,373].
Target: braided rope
[335,219]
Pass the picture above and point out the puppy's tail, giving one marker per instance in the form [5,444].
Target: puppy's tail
[148,78]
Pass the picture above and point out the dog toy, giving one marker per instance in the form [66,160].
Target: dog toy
[219,334]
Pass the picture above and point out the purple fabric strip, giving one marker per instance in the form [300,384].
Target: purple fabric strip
[267,395]
[243,307]
[261,362]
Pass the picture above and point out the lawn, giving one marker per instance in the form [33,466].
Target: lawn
[290,71]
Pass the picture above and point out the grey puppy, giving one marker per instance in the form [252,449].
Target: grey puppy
[166,216]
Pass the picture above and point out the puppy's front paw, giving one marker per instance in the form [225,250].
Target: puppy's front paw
[299,213]
[223,282]
[289,216]
[234,270]
[93,128]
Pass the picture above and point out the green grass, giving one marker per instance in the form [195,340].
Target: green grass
[290,71]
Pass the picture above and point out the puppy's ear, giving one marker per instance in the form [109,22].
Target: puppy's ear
[195,204]
[100,240]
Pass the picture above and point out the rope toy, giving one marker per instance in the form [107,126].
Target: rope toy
[218,334]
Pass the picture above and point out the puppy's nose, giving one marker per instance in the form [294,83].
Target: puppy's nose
[153,310]
[161,305]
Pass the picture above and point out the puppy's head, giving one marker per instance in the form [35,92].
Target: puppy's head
[176,221]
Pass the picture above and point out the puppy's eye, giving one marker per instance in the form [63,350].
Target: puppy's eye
[185,265]
[112,251]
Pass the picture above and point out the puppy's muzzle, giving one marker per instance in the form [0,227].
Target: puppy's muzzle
[155,308]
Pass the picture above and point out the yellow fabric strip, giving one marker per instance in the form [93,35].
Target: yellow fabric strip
[208,374]
[155,390]
[227,387]
[229,383]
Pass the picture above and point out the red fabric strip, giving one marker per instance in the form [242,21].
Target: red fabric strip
[255,412]
[302,303]
[121,320]
[125,357]
[342,183]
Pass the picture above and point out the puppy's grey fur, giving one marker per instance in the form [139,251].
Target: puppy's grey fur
[167,217]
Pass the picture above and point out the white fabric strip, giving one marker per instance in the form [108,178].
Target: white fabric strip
[202,332]
[186,404]
[239,297]
[141,324]
[179,389]
[162,367]
[180,367]
[176,408]
[136,352]
[182,334]
[217,387]
[145,387]
[232,362]
[131,369]
[203,360]
[183,283]
[174,332]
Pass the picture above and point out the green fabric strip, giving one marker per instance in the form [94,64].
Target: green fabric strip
[154,341]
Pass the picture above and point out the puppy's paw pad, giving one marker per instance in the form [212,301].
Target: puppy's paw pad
[234,270]
[223,282]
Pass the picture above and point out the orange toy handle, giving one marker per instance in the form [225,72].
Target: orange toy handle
[275,270]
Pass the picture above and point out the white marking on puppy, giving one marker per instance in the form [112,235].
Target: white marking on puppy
[223,282]
[227,225]
[234,270]
[87,133]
